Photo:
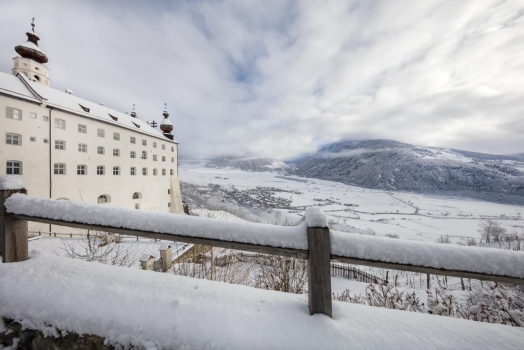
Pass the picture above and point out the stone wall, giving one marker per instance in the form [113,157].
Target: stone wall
[35,340]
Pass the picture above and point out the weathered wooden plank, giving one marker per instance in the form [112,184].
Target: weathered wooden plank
[289,252]
[13,232]
[429,270]
[319,271]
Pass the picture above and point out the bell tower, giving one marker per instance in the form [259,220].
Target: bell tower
[31,60]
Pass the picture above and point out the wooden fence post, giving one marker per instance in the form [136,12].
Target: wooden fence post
[13,233]
[319,277]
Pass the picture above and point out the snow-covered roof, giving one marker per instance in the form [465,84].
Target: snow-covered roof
[11,85]
[32,46]
[67,102]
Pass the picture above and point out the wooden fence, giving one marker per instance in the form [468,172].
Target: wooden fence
[354,273]
[14,244]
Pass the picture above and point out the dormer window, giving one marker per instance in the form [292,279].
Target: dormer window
[135,124]
[84,108]
[113,117]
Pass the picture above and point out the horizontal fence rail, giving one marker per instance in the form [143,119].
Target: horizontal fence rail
[311,240]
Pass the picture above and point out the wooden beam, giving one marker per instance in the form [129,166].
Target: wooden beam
[13,232]
[319,271]
[429,270]
[289,252]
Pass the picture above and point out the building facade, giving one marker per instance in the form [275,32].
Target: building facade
[65,147]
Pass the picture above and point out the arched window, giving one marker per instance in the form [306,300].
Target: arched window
[137,195]
[104,199]
[37,78]
[144,155]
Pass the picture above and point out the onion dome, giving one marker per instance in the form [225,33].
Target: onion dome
[30,48]
[166,125]
[133,113]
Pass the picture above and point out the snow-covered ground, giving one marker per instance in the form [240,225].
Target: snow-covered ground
[163,311]
[411,216]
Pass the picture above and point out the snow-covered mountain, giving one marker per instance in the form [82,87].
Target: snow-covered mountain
[250,164]
[391,165]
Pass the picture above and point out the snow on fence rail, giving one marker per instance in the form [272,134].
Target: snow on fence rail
[311,240]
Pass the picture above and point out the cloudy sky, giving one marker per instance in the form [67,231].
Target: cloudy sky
[280,78]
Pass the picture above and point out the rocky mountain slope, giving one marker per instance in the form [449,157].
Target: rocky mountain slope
[250,164]
[391,165]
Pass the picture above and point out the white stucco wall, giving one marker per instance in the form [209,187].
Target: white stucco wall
[31,69]
[37,157]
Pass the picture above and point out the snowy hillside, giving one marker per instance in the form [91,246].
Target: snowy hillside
[396,166]
[250,164]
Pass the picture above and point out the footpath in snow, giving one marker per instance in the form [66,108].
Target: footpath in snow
[155,310]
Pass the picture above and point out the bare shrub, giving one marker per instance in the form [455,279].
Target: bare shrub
[102,247]
[283,274]
[392,235]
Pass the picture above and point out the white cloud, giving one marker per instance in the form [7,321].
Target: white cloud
[280,78]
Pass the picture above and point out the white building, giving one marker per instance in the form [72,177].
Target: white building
[65,147]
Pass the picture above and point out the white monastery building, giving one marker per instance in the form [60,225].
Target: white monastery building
[65,147]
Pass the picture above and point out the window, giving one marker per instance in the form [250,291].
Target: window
[144,142]
[100,170]
[171,172]
[84,108]
[133,154]
[116,152]
[154,172]
[32,139]
[154,144]
[46,118]
[132,139]
[59,144]
[163,158]
[103,199]
[60,124]
[163,172]
[144,171]
[82,147]
[81,169]
[172,149]
[163,147]
[116,136]
[59,168]
[13,139]
[154,157]
[13,167]
[101,133]
[46,141]
[82,128]
[172,159]
[100,150]
[116,170]
[137,206]
[13,113]
[32,115]
[133,171]
[169,205]
[113,117]
[144,155]
[168,191]
[137,195]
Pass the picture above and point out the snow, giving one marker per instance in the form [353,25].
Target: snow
[155,310]
[244,232]
[71,103]
[439,256]
[11,182]
[11,85]
[315,217]
[32,46]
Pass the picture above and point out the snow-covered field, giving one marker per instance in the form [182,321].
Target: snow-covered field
[410,216]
